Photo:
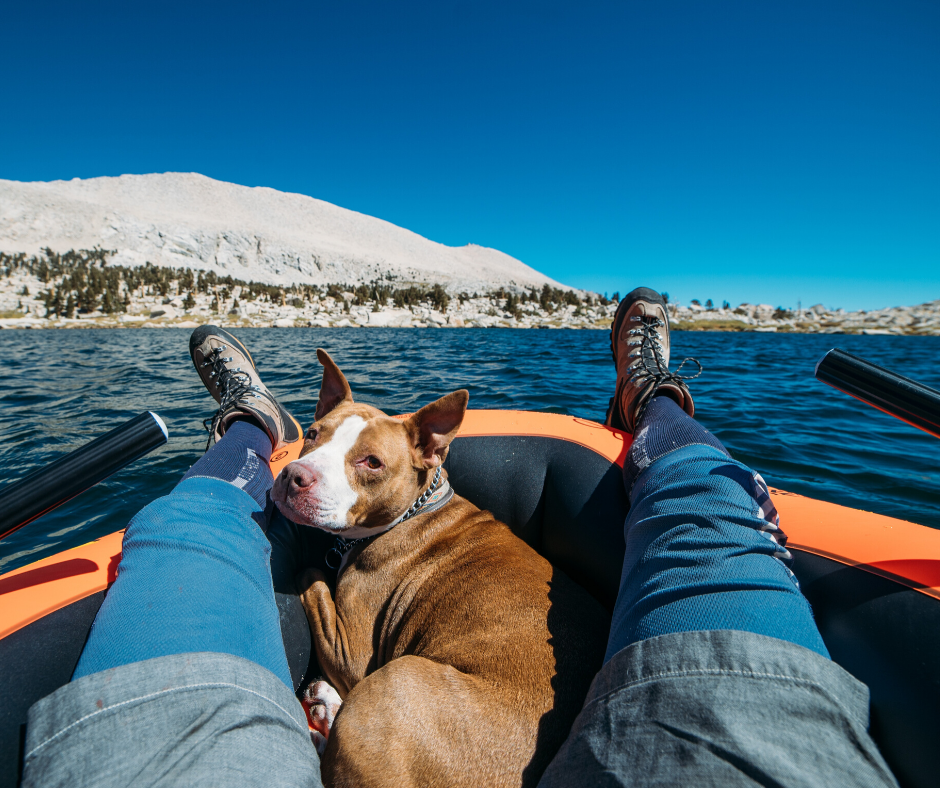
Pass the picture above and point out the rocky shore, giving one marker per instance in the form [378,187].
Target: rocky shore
[92,294]
[923,319]
[36,298]
[327,312]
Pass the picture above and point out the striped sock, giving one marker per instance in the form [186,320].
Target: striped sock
[239,458]
[663,428]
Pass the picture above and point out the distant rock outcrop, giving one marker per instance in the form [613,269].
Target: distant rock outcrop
[920,319]
[186,220]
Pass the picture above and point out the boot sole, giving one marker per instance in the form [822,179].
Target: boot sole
[639,294]
[203,332]
[199,335]
[614,418]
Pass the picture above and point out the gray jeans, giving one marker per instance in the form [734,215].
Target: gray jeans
[200,719]
[719,708]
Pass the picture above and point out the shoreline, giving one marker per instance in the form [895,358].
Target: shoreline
[144,322]
[81,290]
[154,312]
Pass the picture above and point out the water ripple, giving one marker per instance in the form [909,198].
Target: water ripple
[60,389]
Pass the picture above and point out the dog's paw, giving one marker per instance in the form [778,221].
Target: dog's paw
[319,741]
[322,703]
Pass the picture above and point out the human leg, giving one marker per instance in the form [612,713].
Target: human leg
[194,574]
[184,680]
[715,672]
[704,550]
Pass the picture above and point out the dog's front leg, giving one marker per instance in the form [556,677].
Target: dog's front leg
[321,614]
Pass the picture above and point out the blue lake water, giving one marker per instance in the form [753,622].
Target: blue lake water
[60,389]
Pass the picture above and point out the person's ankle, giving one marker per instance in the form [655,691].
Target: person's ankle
[663,428]
[249,420]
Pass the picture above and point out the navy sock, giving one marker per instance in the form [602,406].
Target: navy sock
[664,427]
[239,458]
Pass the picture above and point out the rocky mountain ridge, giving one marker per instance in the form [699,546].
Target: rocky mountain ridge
[186,220]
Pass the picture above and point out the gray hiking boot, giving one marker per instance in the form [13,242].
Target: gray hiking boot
[228,372]
[639,342]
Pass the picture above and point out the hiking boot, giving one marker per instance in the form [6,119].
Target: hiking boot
[639,342]
[228,372]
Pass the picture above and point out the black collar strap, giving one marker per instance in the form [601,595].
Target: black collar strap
[432,499]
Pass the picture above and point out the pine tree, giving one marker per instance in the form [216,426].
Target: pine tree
[55,307]
[190,302]
[512,306]
[87,301]
[70,306]
[545,298]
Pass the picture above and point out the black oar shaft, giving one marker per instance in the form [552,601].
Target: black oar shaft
[51,486]
[901,397]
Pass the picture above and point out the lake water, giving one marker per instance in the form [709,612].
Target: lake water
[60,389]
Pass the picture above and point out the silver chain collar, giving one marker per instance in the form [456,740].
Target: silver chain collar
[342,546]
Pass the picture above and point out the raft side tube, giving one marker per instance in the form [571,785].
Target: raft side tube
[873,581]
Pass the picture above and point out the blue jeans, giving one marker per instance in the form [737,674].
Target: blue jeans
[703,553]
[195,576]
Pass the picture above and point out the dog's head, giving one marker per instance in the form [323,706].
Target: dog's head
[359,469]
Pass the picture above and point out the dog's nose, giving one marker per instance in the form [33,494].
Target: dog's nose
[298,476]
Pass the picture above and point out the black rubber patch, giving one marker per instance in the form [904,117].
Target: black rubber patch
[887,636]
[34,662]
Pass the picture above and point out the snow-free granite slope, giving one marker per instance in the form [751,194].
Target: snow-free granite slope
[186,220]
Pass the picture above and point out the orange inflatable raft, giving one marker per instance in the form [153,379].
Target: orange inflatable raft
[873,581]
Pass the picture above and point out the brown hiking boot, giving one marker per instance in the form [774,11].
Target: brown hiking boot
[639,341]
[227,370]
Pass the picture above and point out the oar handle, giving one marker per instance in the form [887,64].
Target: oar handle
[901,397]
[51,486]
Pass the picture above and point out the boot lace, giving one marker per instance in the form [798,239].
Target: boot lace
[233,385]
[652,372]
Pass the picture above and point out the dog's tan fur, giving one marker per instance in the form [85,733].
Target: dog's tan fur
[461,655]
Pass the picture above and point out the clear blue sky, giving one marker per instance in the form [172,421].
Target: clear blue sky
[751,150]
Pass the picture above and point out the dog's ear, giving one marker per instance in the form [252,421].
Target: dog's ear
[334,388]
[434,426]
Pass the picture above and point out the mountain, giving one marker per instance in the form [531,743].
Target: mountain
[187,220]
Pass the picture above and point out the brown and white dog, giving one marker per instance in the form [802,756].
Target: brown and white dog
[459,656]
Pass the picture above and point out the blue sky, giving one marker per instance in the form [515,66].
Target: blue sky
[750,151]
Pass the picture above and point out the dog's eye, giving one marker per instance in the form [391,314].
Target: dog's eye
[312,434]
[373,462]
